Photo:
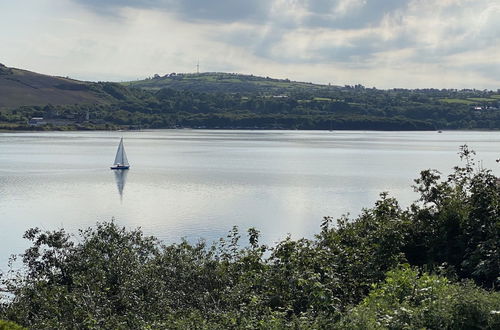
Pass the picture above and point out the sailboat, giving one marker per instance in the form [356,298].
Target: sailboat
[121,161]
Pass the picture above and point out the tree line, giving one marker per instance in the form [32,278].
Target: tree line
[348,107]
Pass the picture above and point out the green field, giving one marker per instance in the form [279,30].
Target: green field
[459,101]
[471,100]
[216,82]
[482,99]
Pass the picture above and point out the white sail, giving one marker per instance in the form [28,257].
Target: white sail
[121,156]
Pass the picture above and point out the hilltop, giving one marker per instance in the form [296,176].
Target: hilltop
[220,82]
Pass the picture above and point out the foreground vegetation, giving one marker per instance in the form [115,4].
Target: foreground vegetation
[434,265]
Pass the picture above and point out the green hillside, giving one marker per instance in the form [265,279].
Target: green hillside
[235,101]
[219,82]
[24,88]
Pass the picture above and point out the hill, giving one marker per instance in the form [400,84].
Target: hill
[25,88]
[225,100]
[219,82]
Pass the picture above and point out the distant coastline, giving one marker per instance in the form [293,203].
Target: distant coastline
[32,101]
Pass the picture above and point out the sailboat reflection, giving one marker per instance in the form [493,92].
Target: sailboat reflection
[120,178]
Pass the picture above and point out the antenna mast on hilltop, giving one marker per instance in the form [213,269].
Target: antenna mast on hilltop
[198,67]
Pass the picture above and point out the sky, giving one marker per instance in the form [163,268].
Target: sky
[376,43]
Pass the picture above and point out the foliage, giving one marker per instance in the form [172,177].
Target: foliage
[352,274]
[7,325]
[457,223]
[409,300]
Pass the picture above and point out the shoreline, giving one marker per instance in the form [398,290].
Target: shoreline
[3,130]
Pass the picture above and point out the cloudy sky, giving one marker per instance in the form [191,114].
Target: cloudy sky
[381,43]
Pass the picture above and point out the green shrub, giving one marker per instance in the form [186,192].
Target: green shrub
[409,300]
[7,325]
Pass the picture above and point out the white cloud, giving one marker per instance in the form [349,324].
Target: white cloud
[344,7]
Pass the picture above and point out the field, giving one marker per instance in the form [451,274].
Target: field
[21,88]
[472,100]
[215,82]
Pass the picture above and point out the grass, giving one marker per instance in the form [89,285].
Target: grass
[226,82]
[481,99]
[29,88]
[457,101]
[472,100]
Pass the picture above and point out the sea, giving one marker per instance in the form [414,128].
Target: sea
[198,184]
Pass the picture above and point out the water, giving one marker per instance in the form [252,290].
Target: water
[199,183]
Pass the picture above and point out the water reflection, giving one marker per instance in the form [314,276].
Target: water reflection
[120,178]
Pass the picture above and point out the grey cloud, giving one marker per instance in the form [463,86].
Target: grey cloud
[320,14]
[213,10]
[359,51]
[258,12]
[487,71]
[458,39]
[223,10]
[109,7]
[368,14]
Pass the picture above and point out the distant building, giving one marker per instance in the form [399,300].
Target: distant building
[36,121]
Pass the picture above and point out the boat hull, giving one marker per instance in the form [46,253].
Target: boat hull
[120,167]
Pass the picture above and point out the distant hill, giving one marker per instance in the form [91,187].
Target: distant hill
[218,82]
[226,100]
[25,88]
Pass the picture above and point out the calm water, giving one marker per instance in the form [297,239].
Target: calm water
[199,183]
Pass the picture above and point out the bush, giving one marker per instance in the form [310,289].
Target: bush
[409,300]
[7,325]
